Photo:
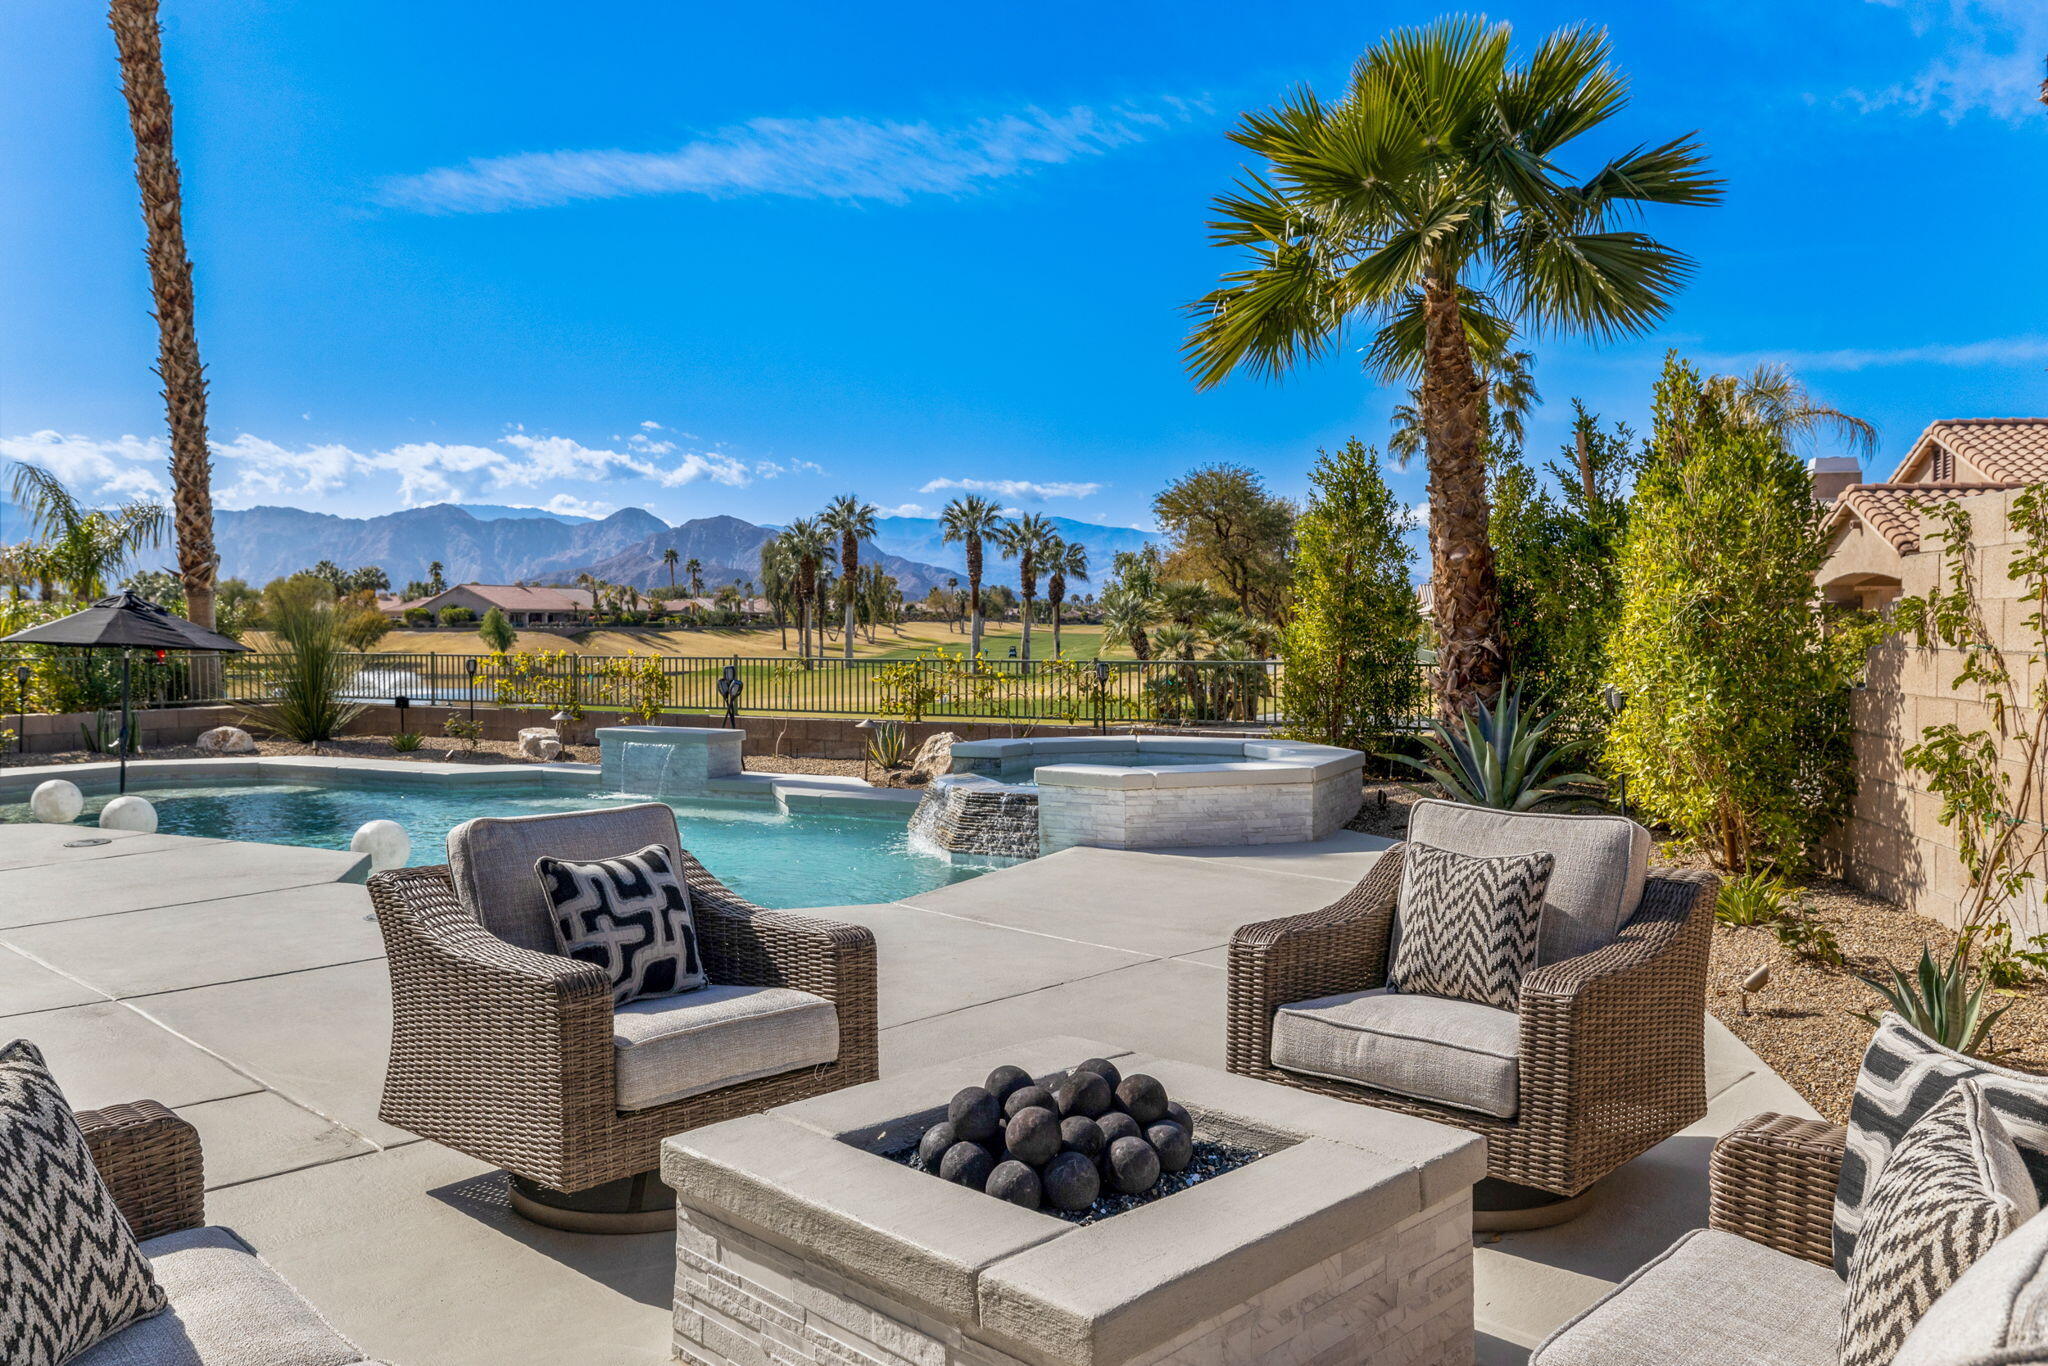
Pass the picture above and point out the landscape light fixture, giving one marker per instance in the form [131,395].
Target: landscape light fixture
[469,665]
[1101,687]
[1614,700]
[729,688]
[399,704]
[21,677]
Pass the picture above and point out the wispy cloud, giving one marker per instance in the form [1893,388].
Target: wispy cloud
[1024,490]
[853,159]
[904,510]
[775,469]
[2026,350]
[1988,60]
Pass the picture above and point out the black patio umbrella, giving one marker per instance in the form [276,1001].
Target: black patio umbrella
[126,623]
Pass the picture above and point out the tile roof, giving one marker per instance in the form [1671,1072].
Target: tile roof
[2005,449]
[1893,510]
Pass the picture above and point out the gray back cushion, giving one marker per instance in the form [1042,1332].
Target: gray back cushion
[1597,881]
[491,859]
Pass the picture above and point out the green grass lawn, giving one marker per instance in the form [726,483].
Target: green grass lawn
[997,640]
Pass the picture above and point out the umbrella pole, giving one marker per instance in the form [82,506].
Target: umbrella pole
[126,656]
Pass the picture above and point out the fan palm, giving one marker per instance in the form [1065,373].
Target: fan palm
[809,547]
[1025,540]
[1427,203]
[669,557]
[694,568]
[82,548]
[1771,399]
[855,522]
[1127,617]
[1185,602]
[969,521]
[1065,561]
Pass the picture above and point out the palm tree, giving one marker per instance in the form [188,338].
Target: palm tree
[436,578]
[1427,203]
[1184,602]
[967,520]
[139,41]
[809,549]
[1026,540]
[669,558]
[1066,560]
[694,567]
[1770,398]
[81,548]
[1127,617]
[1508,396]
[953,603]
[855,522]
[778,578]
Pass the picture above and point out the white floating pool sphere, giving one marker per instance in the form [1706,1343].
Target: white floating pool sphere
[56,801]
[129,813]
[385,842]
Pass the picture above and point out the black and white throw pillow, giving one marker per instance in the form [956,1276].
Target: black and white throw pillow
[1469,926]
[72,1272]
[630,916]
[1904,1073]
[1951,1188]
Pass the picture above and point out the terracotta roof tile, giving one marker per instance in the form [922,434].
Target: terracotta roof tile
[1893,510]
[2006,449]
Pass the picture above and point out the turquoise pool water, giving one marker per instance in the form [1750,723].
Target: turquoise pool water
[801,859]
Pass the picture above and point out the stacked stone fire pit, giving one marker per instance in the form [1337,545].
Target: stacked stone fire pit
[809,1235]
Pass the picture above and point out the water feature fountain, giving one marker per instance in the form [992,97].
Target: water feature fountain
[645,770]
[966,813]
[665,761]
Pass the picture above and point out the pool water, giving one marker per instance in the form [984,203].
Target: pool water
[782,861]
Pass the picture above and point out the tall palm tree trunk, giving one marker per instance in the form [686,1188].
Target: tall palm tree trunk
[1464,595]
[140,43]
[974,597]
[1027,628]
[849,577]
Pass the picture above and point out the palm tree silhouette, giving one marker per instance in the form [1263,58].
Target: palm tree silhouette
[967,520]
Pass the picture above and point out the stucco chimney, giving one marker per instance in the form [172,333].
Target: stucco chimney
[1833,473]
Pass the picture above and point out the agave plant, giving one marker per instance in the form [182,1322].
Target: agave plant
[889,745]
[1496,757]
[1939,999]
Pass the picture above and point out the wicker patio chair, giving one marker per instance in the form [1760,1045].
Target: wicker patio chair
[503,1049]
[1605,1055]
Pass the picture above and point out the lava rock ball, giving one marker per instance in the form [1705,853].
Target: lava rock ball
[1085,1094]
[1175,1148]
[1177,1113]
[1033,1135]
[1104,1068]
[1133,1166]
[1017,1183]
[1142,1098]
[1006,1081]
[1070,1182]
[1029,1098]
[1080,1134]
[933,1145]
[967,1164]
[975,1115]
[1115,1125]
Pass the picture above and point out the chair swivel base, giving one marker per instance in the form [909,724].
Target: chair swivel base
[1503,1207]
[632,1204]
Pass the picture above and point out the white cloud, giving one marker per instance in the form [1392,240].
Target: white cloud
[904,510]
[652,426]
[126,467]
[848,159]
[1418,517]
[2025,350]
[569,506]
[775,469]
[1988,60]
[1026,490]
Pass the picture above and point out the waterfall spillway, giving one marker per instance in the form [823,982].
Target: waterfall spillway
[646,770]
[965,813]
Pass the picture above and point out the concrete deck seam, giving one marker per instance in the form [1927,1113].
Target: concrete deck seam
[1041,934]
[252,977]
[123,853]
[1285,872]
[168,905]
[287,1171]
[1020,995]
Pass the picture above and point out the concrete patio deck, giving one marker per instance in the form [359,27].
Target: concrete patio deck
[243,985]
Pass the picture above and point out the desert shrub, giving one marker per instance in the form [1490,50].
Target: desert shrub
[496,631]
[418,617]
[306,701]
[457,616]
[1757,898]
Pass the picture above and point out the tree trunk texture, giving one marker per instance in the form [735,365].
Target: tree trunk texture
[974,596]
[1464,595]
[849,574]
[140,43]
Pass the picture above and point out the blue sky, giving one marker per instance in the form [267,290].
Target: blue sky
[741,258]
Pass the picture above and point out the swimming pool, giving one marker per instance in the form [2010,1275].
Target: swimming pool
[802,858]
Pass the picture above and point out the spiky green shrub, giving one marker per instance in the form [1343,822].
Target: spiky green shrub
[1497,756]
[1752,899]
[1942,999]
[306,701]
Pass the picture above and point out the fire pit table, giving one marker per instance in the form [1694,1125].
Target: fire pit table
[803,1236]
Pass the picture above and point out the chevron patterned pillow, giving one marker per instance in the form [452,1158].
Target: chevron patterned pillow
[1468,926]
[1952,1187]
[1903,1074]
[630,916]
[73,1274]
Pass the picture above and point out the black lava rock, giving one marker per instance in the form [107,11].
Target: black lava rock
[975,1115]
[1033,1135]
[1026,1097]
[1133,1166]
[1116,1124]
[1006,1080]
[936,1140]
[1070,1182]
[1104,1068]
[1178,1114]
[1080,1134]
[967,1164]
[1142,1098]
[1016,1183]
[1173,1144]
[1086,1094]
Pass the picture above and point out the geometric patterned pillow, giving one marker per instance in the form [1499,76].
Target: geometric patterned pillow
[71,1272]
[1952,1188]
[630,916]
[1468,925]
[1904,1073]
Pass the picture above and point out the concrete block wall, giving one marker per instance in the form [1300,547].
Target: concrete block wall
[57,732]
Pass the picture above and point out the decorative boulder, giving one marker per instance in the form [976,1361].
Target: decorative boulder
[129,813]
[1132,1165]
[225,740]
[56,802]
[1175,1148]
[1028,1098]
[1116,1124]
[934,756]
[385,842]
[1143,1098]
[1104,1068]
[1082,1135]
[1006,1081]
[538,742]
[1016,1183]
[967,1164]
[1085,1094]
[936,1140]
[1033,1136]
[1071,1182]
[974,1114]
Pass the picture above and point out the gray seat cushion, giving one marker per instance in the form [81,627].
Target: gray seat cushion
[491,861]
[1427,1047]
[1596,885]
[671,1047]
[1710,1299]
[228,1308]
[1997,1312]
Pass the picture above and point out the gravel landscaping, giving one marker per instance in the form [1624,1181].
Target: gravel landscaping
[434,749]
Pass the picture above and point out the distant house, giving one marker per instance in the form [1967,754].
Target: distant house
[751,607]
[522,606]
